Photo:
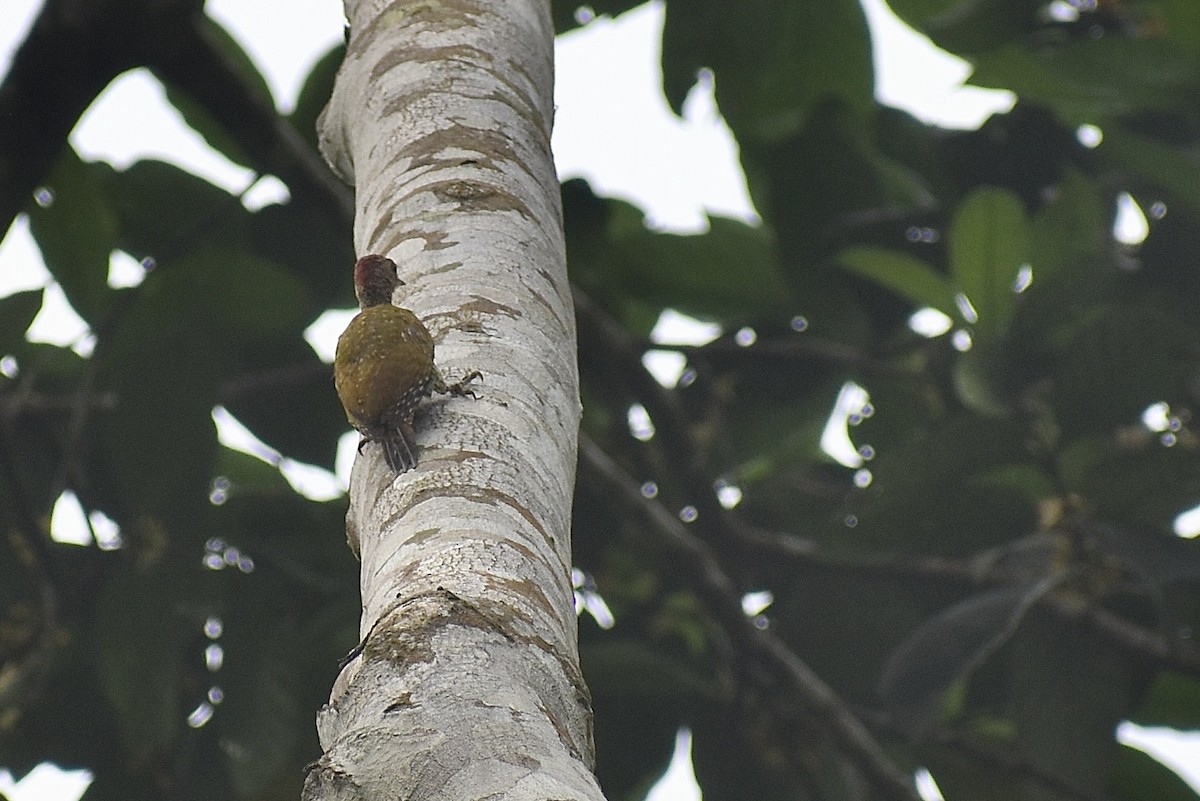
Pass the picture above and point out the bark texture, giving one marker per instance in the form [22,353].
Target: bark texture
[467,684]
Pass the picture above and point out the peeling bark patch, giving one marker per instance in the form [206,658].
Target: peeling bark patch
[428,493]
[524,550]
[527,588]
[521,761]
[387,241]
[487,145]
[549,279]
[396,647]
[384,223]
[474,193]
[561,729]
[474,327]
[416,53]
[402,702]
[527,108]
[535,107]
[448,266]
[537,296]
[432,16]
[511,502]
[478,196]
[481,615]
[352,534]
[439,329]
[482,305]
[403,635]
[391,519]
[326,781]
[424,534]
[464,456]
[542,644]
[433,240]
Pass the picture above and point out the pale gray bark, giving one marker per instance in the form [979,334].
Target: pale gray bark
[468,683]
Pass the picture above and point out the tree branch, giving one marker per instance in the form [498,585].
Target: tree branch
[195,63]
[74,49]
[77,47]
[722,598]
[1002,760]
[1172,652]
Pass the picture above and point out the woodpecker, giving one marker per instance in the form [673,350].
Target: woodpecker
[383,365]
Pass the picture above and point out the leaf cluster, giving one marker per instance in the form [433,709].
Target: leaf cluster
[993,583]
[986,594]
[185,657]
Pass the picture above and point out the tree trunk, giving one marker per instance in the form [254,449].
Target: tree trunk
[468,681]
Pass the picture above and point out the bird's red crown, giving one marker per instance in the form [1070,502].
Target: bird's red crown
[375,280]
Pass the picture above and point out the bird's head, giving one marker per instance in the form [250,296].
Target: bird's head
[375,280]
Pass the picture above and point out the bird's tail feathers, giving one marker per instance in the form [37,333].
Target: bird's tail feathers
[399,449]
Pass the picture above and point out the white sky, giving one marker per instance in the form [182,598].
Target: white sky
[612,127]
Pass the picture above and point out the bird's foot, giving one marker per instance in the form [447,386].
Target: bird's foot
[460,388]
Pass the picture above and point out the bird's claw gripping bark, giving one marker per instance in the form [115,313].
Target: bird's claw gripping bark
[460,387]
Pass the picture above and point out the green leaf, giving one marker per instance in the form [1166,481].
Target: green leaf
[17,585]
[315,93]
[139,641]
[201,120]
[286,532]
[307,242]
[823,188]
[1068,690]
[1093,79]
[928,493]
[1033,481]
[1116,361]
[77,233]
[1173,700]
[634,667]
[983,378]
[732,760]
[261,717]
[36,439]
[814,610]
[638,691]
[772,60]
[248,475]
[195,322]
[163,364]
[909,277]
[971,26]
[1070,232]
[1136,776]
[240,294]
[1179,20]
[1144,484]
[949,647]
[57,369]
[1165,560]
[272,375]
[16,313]
[728,273]
[988,244]
[1171,167]
[778,427]
[165,211]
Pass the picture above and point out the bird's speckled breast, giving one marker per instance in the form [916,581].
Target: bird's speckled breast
[384,355]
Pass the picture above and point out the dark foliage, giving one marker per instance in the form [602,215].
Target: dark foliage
[988,594]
